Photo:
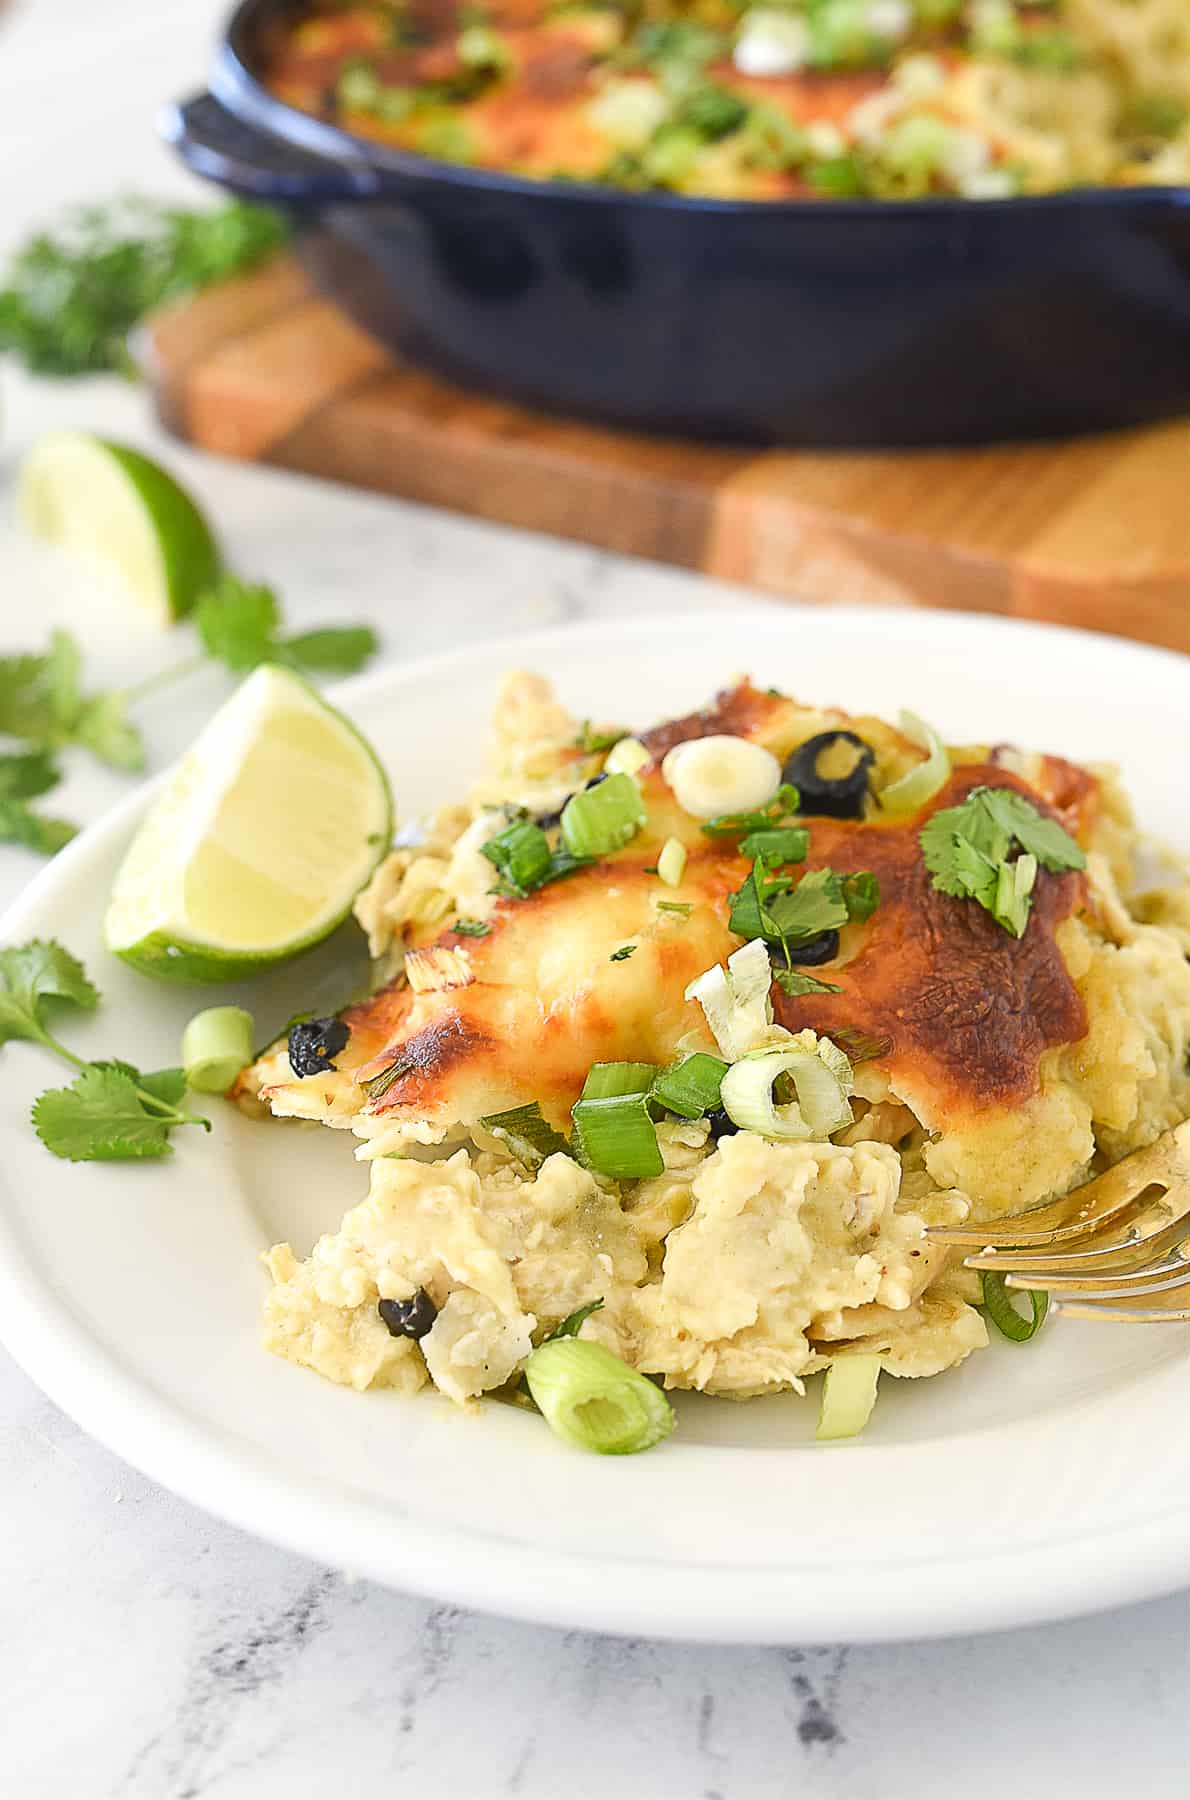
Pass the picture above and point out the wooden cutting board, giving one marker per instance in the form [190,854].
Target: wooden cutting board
[1094,532]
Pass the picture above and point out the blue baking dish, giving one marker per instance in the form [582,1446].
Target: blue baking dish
[823,323]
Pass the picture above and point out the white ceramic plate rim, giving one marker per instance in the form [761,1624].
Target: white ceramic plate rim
[230,1477]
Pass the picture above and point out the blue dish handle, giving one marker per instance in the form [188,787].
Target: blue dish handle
[216,144]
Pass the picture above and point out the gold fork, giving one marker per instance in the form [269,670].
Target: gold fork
[1116,1248]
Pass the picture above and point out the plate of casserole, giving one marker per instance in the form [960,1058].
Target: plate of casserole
[715,966]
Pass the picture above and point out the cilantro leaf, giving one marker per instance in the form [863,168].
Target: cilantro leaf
[331,650]
[161,1084]
[24,706]
[102,726]
[74,293]
[815,905]
[42,701]
[1043,838]
[32,975]
[100,1117]
[19,824]
[25,777]
[622,954]
[988,848]
[795,981]
[63,678]
[861,895]
[237,622]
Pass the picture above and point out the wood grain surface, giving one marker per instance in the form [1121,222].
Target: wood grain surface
[1094,532]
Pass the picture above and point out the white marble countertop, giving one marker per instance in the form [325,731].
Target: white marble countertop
[150,1653]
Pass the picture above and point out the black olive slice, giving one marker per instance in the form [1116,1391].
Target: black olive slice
[314,1043]
[840,798]
[821,949]
[408,1318]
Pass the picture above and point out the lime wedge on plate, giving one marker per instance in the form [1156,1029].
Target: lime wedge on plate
[84,493]
[258,845]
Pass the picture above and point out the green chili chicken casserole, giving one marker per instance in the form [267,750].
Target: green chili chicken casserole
[771,100]
[682,1041]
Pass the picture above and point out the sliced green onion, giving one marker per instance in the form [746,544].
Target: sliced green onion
[521,852]
[848,1396]
[785,800]
[691,1088]
[671,864]
[1014,885]
[821,1078]
[997,1298]
[783,844]
[527,1136]
[471,928]
[680,908]
[216,1047]
[606,1080]
[918,784]
[736,1001]
[574,1322]
[626,756]
[604,818]
[593,1400]
[617,1137]
[377,1086]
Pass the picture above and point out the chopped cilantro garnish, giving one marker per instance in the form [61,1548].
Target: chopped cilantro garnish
[988,849]
[525,859]
[471,927]
[772,908]
[622,954]
[795,981]
[111,1112]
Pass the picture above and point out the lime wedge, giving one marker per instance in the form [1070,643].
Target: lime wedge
[258,845]
[86,494]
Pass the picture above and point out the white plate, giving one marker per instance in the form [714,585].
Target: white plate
[1029,1484]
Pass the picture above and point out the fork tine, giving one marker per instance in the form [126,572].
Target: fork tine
[1173,1272]
[1134,1310]
[1119,1255]
[1101,1203]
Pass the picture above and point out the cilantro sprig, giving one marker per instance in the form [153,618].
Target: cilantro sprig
[42,702]
[25,778]
[111,1111]
[239,624]
[45,704]
[989,849]
[785,913]
[73,293]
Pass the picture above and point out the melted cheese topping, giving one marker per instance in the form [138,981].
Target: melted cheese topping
[966,1011]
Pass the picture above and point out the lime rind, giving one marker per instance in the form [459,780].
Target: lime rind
[97,497]
[150,919]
